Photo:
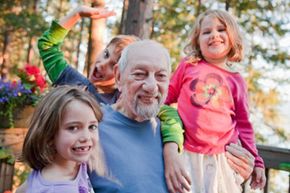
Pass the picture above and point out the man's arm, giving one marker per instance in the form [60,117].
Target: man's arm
[241,160]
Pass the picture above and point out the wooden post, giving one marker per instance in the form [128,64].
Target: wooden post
[6,175]
[267,181]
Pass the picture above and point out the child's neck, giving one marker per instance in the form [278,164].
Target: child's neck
[60,171]
[108,86]
[106,89]
[221,63]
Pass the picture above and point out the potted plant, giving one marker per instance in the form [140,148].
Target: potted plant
[16,95]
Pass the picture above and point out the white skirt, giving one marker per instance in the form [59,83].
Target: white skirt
[211,173]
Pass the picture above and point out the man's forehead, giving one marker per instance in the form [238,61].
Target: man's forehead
[147,52]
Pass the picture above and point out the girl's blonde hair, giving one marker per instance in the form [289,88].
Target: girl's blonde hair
[38,148]
[192,49]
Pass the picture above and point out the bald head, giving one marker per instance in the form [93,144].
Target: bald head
[145,50]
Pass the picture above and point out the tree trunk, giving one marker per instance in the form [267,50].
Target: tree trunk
[30,50]
[5,55]
[227,6]
[124,17]
[138,18]
[96,36]
[31,40]
[79,43]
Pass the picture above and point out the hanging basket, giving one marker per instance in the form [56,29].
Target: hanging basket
[21,117]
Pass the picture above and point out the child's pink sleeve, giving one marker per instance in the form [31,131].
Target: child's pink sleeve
[244,126]
[175,84]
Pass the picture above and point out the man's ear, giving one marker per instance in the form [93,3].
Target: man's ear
[117,76]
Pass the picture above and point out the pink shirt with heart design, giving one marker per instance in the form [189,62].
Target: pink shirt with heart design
[213,106]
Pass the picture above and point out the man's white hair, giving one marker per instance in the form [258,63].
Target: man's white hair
[123,61]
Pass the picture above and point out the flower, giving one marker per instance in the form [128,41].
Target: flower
[17,94]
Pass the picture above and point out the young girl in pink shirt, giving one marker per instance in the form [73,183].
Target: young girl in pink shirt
[213,105]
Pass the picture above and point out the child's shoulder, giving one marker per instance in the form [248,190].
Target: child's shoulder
[188,60]
[22,188]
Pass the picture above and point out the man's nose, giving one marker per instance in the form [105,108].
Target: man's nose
[150,84]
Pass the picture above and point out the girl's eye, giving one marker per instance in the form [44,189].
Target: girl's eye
[221,29]
[73,128]
[205,32]
[106,53]
[93,127]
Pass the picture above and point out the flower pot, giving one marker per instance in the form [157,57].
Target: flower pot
[21,117]
[13,139]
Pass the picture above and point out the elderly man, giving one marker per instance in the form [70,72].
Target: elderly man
[130,132]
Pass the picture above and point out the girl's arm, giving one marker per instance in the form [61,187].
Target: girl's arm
[246,135]
[49,49]
[244,126]
[72,18]
[177,179]
[50,42]
[171,124]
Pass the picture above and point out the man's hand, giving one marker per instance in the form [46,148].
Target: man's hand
[240,160]
[258,178]
[177,178]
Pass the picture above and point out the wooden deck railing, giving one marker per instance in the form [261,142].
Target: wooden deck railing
[275,158]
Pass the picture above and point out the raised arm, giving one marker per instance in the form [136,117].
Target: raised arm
[73,17]
[50,42]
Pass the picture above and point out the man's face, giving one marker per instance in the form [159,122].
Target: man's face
[144,82]
[101,73]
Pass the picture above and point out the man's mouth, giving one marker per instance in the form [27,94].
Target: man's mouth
[148,99]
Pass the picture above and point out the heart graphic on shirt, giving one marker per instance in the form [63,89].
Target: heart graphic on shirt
[209,90]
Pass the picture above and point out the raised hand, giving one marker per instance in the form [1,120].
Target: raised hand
[84,11]
[94,13]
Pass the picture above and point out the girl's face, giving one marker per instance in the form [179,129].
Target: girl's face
[78,133]
[214,40]
[102,72]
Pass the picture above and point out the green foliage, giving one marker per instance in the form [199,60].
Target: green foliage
[6,154]
[21,173]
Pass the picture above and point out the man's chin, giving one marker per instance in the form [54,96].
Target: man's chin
[147,111]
